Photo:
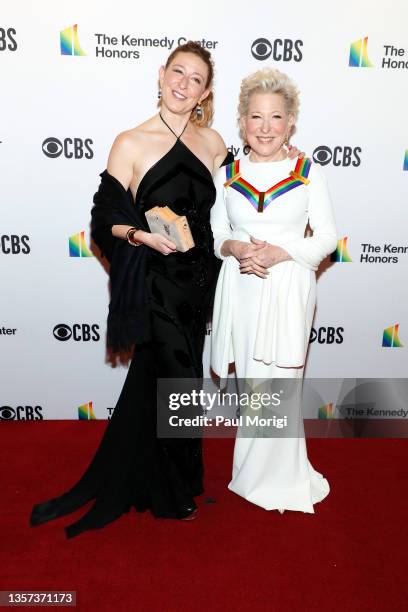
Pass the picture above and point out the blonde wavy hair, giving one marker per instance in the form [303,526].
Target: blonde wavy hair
[268,80]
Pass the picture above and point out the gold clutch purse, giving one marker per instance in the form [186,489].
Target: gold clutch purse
[162,220]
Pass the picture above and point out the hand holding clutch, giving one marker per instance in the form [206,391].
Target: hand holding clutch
[162,220]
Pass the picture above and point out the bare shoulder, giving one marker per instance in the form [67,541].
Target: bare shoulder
[122,156]
[216,145]
[127,152]
[213,138]
[128,141]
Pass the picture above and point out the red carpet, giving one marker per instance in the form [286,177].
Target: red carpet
[349,556]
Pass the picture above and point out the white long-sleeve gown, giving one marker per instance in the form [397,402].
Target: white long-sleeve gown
[263,325]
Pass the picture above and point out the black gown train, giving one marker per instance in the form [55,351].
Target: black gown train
[132,466]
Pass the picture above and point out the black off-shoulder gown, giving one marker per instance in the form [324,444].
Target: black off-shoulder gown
[132,466]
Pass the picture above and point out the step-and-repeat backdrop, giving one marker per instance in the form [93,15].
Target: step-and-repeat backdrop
[75,74]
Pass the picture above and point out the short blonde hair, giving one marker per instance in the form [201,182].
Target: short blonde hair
[271,81]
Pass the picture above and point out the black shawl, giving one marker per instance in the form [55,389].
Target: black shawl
[128,320]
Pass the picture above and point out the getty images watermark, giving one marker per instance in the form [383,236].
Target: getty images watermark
[256,408]
[247,403]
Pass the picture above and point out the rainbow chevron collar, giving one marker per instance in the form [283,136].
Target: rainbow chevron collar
[261,199]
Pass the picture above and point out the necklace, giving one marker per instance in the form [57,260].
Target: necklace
[171,130]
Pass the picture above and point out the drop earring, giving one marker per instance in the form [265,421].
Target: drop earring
[199,111]
[159,94]
[246,149]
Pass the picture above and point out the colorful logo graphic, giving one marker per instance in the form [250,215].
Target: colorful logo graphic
[390,337]
[405,167]
[326,411]
[341,254]
[69,41]
[85,412]
[358,54]
[78,246]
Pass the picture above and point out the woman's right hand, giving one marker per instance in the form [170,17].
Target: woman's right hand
[240,250]
[156,242]
[243,251]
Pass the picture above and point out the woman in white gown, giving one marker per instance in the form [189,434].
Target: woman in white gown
[265,297]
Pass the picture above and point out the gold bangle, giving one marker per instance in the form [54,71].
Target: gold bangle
[130,236]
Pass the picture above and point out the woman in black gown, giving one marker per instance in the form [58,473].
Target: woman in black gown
[159,300]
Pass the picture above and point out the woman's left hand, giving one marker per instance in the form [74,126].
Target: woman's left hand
[269,255]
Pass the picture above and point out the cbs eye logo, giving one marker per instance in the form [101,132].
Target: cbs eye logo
[62,332]
[322,155]
[281,49]
[78,332]
[261,49]
[52,147]
[71,148]
[339,156]
[7,413]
